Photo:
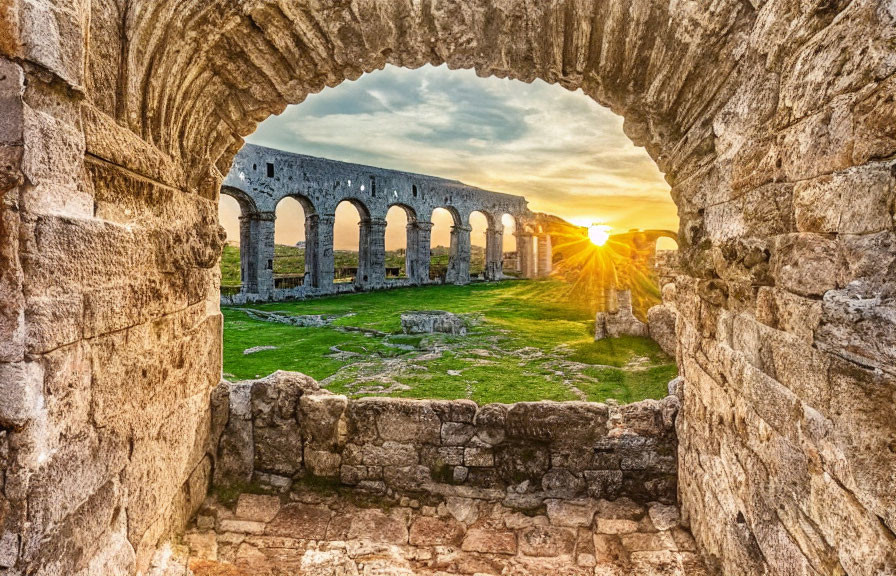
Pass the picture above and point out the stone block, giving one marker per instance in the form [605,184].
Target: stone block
[855,201]
[663,516]
[459,474]
[406,478]
[323,463]
[21,387]
[481,457]
[402,421]
[547,541]
[431,531]
[571,513]
[518,462]
[560,483]
[661,326]
[562,423]
[297,520]
[490,422]
[389,454]
[461,411]
[257,507]
[489,541]
[352,475]
[278,448]
[462,509]
[321,419]
[241,526]
[457,434]
[805,264]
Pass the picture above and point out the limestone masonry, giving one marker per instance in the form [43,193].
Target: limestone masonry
[772,121]
[284,427]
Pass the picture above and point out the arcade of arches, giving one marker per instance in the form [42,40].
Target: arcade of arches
[772,120]
[260,179]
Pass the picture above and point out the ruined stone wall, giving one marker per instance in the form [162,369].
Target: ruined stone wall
[285,428]
[773,122]
[110,334]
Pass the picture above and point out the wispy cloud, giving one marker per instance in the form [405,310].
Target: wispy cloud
[560,149]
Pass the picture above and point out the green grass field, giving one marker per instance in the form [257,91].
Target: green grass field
[528,340]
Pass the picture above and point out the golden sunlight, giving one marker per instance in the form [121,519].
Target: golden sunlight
[599,234]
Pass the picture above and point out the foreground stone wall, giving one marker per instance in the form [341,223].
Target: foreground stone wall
[284,427]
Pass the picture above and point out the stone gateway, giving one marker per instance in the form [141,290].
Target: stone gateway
[772,120]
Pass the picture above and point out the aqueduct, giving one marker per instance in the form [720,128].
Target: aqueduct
[773,121]
[261,177]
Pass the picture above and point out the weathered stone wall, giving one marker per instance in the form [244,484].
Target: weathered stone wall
[260,178]
[284,427]
[773,122]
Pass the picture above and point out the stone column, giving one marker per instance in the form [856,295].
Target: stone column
[419,251]
[545,256]
[248,270]
[312,255]
[374,275]
[494,253]
[524,253]
[459,259]
[257,253]
[363,275]
[319,251]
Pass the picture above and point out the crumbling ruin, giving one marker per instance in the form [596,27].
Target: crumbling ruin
[773,122]
[261,177]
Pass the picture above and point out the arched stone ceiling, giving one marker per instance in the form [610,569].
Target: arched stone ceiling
[201,75]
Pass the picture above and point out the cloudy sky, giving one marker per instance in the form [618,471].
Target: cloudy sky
[566,154]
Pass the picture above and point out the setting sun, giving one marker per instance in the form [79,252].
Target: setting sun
[599,234]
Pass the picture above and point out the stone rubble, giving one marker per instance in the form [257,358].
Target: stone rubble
[432,322]
[619,320]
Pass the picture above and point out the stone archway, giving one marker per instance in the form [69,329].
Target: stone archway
[773,122]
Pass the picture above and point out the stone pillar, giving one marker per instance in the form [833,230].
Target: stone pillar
[312,262]
[257,253]
[494,253]
[545,256]
[459,260]
[319,251]
[524,254]
[248,270]
[419,251]
[374,268]
[363,276]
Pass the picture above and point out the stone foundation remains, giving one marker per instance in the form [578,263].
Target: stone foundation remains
[433,321]
[284,427]
[619,319]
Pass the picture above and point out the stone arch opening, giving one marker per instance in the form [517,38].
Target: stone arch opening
[449,246]
[229,214]
[290,242]
[510,256]
[765,118]
[402,242]
[351,242]
[480,224]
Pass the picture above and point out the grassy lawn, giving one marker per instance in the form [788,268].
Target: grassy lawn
[528,340]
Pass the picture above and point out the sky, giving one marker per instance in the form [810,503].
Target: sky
[561,150]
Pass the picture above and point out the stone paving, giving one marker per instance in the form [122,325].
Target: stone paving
[317,533]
